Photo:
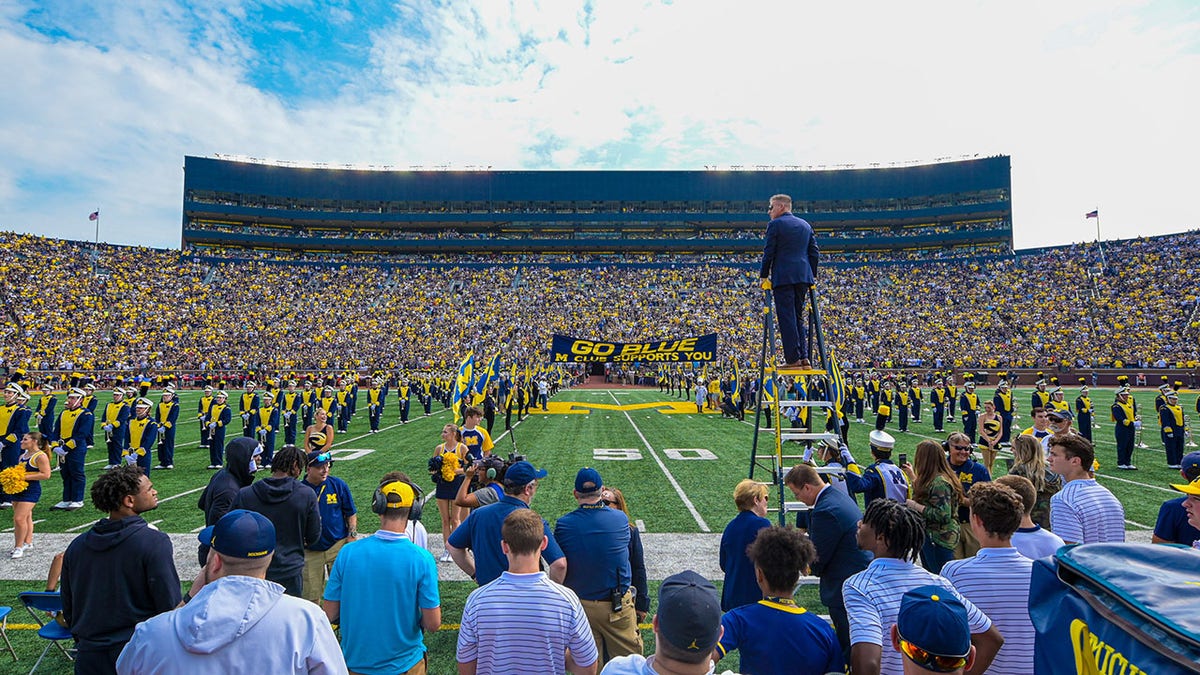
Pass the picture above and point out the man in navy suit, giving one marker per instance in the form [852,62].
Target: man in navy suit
[833,529]
[789,268]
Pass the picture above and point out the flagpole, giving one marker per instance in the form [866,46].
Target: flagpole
[1099,243]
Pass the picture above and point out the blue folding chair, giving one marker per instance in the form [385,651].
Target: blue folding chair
[38,603]
[4,630]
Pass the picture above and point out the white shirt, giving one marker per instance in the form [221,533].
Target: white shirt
[1036,542]
[1085,512]
[873,601]
[997,581]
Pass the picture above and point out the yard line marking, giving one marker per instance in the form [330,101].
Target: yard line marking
[41,520]
[1134,482]
[155,522]
[641,525]
[1138,525]
[80,527]
[182,494]
[679,490]
[198,529]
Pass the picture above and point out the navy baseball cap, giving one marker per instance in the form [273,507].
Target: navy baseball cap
[240,534]
[1191,464]
[934,620]
[689,612]
[588,480]
[523,473]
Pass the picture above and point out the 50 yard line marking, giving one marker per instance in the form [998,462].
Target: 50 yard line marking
[666,472]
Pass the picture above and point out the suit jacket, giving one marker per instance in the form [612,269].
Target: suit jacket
[791,252]
[833,531]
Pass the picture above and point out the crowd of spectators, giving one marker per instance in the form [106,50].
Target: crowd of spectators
[100,307]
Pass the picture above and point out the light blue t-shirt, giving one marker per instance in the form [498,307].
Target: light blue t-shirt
[383,583]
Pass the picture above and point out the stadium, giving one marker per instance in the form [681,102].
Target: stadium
[357,275]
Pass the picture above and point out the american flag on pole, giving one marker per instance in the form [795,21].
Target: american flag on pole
[95,215]
[1092,214]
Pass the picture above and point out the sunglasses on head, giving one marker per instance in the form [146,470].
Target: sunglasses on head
[938,664]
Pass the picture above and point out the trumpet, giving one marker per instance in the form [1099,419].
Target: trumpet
[1187,432]
[1137,425]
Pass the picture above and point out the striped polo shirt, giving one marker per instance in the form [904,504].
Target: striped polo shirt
[524,623]
[997,581]
[873,601]
[1085,512]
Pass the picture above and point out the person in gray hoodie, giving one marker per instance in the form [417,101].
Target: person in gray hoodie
[217,499]
[233,620]
[292,509]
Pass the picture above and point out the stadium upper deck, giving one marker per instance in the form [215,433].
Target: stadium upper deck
[932,207]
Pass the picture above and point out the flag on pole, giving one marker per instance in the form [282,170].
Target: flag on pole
[1092,214]
[768,384]
[95,215]
[736,393]
[488,378]
[837,382]
[462,384]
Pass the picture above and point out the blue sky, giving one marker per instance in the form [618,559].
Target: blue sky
[1095,101]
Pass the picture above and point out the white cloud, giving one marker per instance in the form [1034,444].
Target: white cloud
[1093,100]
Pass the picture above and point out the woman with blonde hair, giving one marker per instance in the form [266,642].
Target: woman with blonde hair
[1029,460]
[936,494]
[446,467]
[615,499]
[741,586]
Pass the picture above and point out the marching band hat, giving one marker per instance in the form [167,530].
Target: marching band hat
[76,391]
[1003,384]
[1082,380]
[1054,381]
[969,384]
[90,386]
[1173,394]
[130,392]
[221,393]
[169,389]
[15,388]
[250,383]
[1040,383]
[882,440]
[1056,390]
[143,403]
[1122,378]
[1123,390]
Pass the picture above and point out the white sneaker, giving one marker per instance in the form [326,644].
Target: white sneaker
[5,505]
[61,505]
[74,505]
[445,557]
[17,552]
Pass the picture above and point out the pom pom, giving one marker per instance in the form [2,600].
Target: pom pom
[12,479]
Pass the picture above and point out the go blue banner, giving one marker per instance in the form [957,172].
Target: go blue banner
[1117,609]
[696,349]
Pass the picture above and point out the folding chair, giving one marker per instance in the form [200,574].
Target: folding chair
[37,603]
[4,630]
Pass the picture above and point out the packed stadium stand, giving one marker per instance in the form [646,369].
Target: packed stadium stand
[271,277]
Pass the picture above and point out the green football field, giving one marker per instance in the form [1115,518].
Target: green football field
[676,468]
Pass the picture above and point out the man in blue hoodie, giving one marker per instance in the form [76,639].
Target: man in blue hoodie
[233,619]
[118,573]
[292,509]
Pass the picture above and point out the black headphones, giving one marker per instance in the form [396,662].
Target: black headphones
[379,503]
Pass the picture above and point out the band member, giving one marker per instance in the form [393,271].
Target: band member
[1170,419]
[883,411]
[1084,410]
[115,425]
[70,443]
[142,433]
[1125,416]
[402,400]
[308,402]
[376,400]
[14,424]
[166,415]
[951,396]
[202,411]
[46,405]
[914,398]
[1040,398]
[266,424]
[289,410]
[1003,401]
[1058,400]
[968,404]
[217,420]
[937,397]
[248,407]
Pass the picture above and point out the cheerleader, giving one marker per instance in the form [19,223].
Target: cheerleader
[35,457]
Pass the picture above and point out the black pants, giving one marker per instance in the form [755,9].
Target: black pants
[98,661]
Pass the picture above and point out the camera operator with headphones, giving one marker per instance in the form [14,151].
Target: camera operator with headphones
[379,583]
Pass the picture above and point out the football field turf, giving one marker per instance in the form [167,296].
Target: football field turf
[676,468]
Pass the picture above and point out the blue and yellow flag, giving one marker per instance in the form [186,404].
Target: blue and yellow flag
[487,379]
[836,382]
[736,392]
[462,384]
[768,384]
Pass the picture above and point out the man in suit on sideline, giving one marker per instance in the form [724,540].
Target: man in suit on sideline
[789,268]
[833,529]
